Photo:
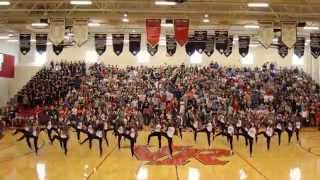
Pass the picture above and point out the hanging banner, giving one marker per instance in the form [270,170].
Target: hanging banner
[181,31]
[171,44]
[153,27]
[134,43]
[289,33]
[200,38]
[100,43]
[41,43]
[152,50]
[117,42]
[228,51]
[315,44]
[57,49]
[56,30]
[209,45]
[6,66]
[25,43]
[190,48]
[244,42]
[221,41]
[81,31]
[299,47]
[282,49]
[265,34]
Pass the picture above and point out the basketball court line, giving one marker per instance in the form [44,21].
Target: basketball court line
[251,165]
[100,163]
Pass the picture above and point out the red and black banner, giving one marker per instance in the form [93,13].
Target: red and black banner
[315,44]
[6,66]
[57,49]
[190,47]
[171,44]
[152,50]
[200,38]
[244,42]
[153,27]
[228,51]
[299,46]
[181,31]
[209,50]
[100,43]
[134,43]
[221,41]
[25,43]
[117,42]
[41,43]
[282,49]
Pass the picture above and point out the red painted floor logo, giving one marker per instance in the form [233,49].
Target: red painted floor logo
[181,155]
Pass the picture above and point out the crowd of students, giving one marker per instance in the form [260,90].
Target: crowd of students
[232,102]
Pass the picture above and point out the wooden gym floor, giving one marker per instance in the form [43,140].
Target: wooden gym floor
[192,161]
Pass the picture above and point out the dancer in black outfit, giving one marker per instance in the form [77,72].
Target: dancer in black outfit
[169,133]
[251,136]
[63,137]
[268,133]
[230,133]
[289,130]
[94,134]
[35,135]
[106,129]
[278,130]
[156,131]
[297,130]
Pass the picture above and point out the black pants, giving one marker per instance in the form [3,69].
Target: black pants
[158,134]
[63,142]
[203,131]
[230,141]
[250,139]
[132,141]
[279,132]
[297,134]
[268,138]
[170,142]
[78,131]
[105,133]
[290,133]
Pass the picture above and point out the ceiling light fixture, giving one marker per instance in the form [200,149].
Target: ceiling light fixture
[4,37]
[206,15]
[4,3]
[81,2]
[125,20]
[165,3]
[205,20]
[39,24]
[125,15]
[252,26]
[258,5]
[166,25]
[311,28]
[13,40]
[92,24]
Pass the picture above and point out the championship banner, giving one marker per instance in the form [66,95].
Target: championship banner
[289,33]
[134,43]
[228,51]
[171,44]
[265,34]
[315,44]
[181,31]
[57,49]
[56,31]
[6,66]
[117,42]
[221,41]
[209,50]
[100,43]
[200,38]
[80,30]
[299,47]
[152,50]
[153,27]
[282,49]
[244,42]
[25,43]
[41,43]
[190,48]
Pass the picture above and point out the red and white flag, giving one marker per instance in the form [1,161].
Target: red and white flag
[153,27]
[6,66]
[181,30]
